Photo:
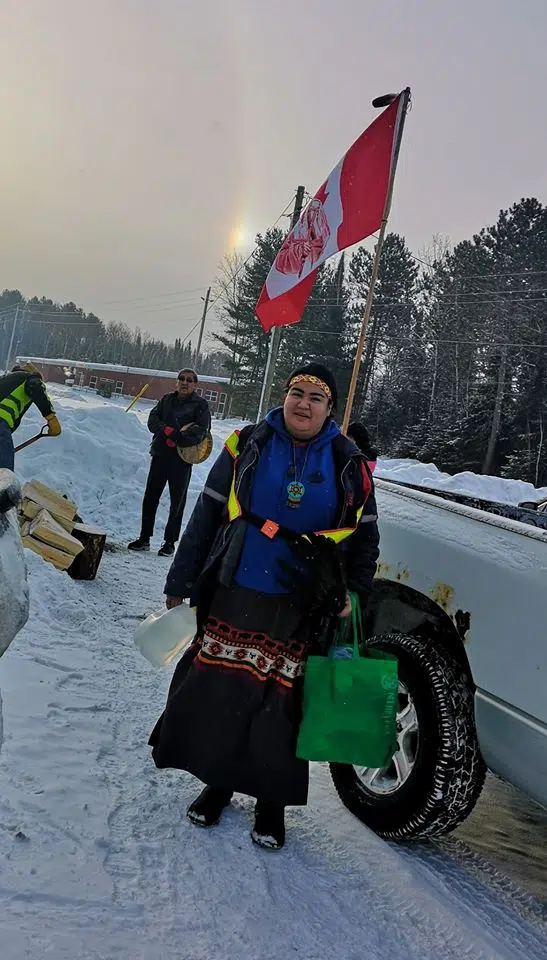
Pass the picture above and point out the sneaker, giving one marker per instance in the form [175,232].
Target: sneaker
[207,810]
[167,549]
[269,827]
[140,544]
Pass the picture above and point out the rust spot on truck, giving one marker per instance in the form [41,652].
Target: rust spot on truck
[462,622]
[401,574]
[443,594]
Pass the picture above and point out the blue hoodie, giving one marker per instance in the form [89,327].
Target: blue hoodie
[318,508]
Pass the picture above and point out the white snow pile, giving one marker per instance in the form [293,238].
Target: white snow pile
[98,861]
[471,484]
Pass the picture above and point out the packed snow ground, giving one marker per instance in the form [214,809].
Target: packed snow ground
[98,861]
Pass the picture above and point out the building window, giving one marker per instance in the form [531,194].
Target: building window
[221,404]
[211,396]
[119,387]
[199,391]
[93,382]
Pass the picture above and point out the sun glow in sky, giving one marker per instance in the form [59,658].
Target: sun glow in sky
[241,237]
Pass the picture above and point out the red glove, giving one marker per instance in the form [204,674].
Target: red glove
[168,431]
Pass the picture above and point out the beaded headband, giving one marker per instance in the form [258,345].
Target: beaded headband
[308,378]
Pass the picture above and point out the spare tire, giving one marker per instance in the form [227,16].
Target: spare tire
[437,773]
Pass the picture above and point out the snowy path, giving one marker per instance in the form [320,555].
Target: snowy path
[99,862]
[97,859]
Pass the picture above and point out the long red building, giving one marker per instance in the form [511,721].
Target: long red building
[129,381]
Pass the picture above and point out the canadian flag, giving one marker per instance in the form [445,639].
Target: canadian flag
[346,209]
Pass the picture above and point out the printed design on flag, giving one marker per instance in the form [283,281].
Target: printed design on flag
[307,241]
[312,241]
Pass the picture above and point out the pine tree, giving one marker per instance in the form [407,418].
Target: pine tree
[243,338]
[391,387]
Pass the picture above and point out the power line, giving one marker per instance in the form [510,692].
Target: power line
[160,308]
[157,296]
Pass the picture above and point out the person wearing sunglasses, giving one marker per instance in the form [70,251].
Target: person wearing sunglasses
[179,419]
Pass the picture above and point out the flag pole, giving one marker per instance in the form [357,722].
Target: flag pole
[405,100]
[275,335]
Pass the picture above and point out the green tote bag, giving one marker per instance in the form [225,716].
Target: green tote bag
[350,705]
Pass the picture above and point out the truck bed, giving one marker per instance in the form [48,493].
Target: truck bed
[508,510]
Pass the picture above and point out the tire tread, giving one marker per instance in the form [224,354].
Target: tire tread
[459,770]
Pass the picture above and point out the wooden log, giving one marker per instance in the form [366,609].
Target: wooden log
[29,510]
[45,528]
[86,564]
[52,501]
[58,558]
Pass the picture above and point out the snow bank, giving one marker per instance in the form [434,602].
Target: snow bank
[471,484]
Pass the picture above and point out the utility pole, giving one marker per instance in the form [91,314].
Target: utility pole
[275,336]
[12,339]
[203,317]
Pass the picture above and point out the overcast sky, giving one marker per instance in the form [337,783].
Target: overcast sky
[139,138]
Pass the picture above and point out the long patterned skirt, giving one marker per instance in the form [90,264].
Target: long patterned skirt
[234,704]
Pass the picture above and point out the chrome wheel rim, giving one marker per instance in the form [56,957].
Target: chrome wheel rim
[388,780]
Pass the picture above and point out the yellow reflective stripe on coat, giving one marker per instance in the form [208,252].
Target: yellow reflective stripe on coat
[338,535]
[234,509]
[14,405]
[21,397]
[232,444]
[7,415]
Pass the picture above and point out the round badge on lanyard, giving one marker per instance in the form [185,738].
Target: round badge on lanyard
[295,492]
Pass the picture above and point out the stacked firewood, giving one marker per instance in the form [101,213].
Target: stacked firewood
[51,527]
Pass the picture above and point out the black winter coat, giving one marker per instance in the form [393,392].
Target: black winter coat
[175,411]
[211,546]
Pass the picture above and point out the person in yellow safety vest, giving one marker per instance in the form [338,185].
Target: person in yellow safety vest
[285,525]
[18,391]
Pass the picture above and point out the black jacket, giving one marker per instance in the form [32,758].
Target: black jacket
[174,411]
[211,547]
[18,390]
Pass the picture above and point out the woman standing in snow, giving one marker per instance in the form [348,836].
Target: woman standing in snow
[233,708]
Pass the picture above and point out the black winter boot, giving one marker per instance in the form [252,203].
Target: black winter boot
[167,549]
[140,545]
[206,811]
[269,827]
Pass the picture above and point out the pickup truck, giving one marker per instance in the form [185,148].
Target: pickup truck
[460,598]
[14,597]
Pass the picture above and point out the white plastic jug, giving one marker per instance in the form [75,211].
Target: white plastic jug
[165,634]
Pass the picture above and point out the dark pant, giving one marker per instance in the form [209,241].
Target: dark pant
[7,455]
[169,469]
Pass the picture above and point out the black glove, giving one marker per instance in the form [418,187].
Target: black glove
[314,578]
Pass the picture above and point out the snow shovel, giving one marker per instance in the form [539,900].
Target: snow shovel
[33,439]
